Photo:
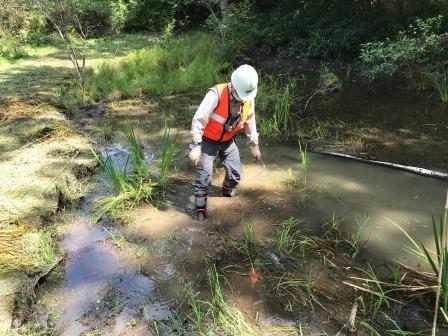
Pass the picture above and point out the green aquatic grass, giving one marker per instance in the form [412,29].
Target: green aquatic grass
[113,172]
[377,296]
[134,187]
[287,240]
[300,290]
[274,101]
[168,151]
[139,168]
[354,237]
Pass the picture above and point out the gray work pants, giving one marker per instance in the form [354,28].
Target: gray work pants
[230,158]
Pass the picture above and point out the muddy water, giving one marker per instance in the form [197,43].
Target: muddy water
[355,190]
[269,194]
[104,291]
[93,271]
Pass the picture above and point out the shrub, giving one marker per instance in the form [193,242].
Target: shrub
[236,30]
[420,45]
[119,13]
[12,49]
[149,15]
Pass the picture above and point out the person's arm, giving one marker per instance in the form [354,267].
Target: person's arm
[250,127]
[202,115]
[199,122]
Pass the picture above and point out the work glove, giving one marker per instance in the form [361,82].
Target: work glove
[256,154]
[195,154]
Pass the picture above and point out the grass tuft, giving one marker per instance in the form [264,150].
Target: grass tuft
[135,187]
[229,319]
[274,103]
[439,82]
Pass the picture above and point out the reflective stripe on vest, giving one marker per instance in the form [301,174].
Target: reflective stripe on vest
[215,127]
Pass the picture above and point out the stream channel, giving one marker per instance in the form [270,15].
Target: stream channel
[105,288]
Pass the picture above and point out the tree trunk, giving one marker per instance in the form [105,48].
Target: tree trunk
[224,8]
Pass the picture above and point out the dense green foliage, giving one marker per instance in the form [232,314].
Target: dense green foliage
[184,64]
[419,45]
[332,28]
[322,28]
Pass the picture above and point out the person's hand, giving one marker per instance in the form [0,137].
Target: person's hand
[195,154]
[256,154]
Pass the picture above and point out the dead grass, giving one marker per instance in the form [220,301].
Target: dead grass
[24,250]
[39,151]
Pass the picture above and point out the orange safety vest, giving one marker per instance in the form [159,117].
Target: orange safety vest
[215,127]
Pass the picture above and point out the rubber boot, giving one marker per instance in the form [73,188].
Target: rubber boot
[200,203]
[228,191]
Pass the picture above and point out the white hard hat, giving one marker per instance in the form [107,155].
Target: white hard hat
[245,81]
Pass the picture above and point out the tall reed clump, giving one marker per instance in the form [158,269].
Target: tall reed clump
[132,184]
[139,168]
[189,63]
[274,102]
[439,81]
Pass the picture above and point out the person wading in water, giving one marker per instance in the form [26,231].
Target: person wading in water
[226,109]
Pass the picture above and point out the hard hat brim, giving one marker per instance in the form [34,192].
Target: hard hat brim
[247,96]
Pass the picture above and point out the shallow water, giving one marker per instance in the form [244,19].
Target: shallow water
[340,188]
[354,190]
[97,271]
[94,270]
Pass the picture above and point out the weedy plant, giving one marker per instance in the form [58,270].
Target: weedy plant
[274,101]
[291,179]
[198,315]
[287,240]
[439,81]
[140,170]
[437,260]
[375,296]
[282,110]
[303,163]
[168,148]
[301,290]
[228,319]
[353,239]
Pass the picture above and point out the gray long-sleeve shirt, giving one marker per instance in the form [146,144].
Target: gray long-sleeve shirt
[205,110]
